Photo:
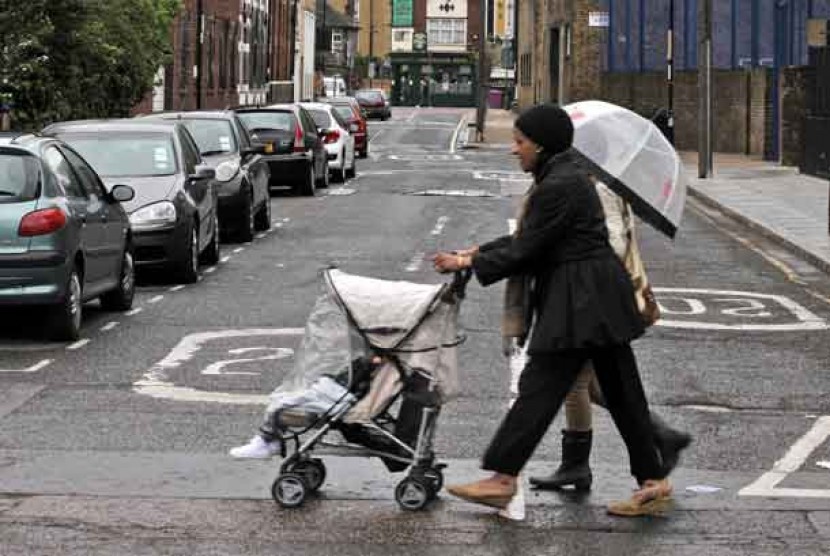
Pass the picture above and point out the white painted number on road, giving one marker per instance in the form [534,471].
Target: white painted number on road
[733,310]
[218,368]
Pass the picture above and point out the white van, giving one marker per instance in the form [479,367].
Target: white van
[335,86]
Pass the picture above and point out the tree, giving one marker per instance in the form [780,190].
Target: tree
[75,59]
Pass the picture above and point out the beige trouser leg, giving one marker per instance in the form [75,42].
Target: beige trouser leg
[578,402]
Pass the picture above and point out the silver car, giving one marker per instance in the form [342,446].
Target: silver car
[64,238]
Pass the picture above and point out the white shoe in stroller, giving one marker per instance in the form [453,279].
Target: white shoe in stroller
[257,448]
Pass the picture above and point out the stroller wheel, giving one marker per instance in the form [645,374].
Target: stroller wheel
[413,494]
[312,470]
[289,490]
[435,479]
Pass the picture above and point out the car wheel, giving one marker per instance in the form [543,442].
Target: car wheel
[247,221]
[323,181]
[340,176]
[308,186]
[364,153]
[263,216]
[352,171]
[213,252]
[65,321]
[188,268]
[121,298]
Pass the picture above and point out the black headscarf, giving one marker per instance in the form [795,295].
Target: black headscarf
[550,127]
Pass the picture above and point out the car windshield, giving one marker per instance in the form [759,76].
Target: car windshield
[321,118]
[345,111]
[212,136]
[268,120]
[371,96]
[125,153]
[19,177]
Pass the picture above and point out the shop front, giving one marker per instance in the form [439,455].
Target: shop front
[433,79]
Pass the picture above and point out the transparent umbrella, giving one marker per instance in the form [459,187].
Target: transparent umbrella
[632,156]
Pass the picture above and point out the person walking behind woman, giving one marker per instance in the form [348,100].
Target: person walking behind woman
[565,278]
[577,436]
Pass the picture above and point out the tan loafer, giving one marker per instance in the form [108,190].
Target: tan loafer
[653,498]
[488,493]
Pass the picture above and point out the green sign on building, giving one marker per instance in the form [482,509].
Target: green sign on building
[401,13]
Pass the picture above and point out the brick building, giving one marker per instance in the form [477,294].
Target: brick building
[615,50]
[434,54]
[247,55]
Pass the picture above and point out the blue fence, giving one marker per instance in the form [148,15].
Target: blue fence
[746,33]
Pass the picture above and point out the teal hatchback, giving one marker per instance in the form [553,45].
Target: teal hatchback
[64,238]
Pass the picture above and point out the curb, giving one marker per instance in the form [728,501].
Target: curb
[816,260]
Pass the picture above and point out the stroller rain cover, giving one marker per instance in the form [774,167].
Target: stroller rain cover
[356,315]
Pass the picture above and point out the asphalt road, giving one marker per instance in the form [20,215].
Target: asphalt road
[117,444]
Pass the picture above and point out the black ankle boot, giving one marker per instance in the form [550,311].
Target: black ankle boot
[574,469]
[670,442]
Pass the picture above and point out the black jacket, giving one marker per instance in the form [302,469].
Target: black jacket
[581,295]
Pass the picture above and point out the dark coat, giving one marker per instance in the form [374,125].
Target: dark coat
[581,296]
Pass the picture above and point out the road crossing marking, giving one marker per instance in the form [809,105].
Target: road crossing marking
[33,369]
[439,225]
[155,299]
[178,288]
[134,312]
[78,345]
[109,326]
[415,262]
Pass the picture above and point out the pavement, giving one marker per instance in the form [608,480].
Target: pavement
[787,207]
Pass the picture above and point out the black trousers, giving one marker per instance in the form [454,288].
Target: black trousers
[545,382]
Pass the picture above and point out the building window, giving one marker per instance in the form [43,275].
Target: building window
[400,36]
[446,32]
[336,42]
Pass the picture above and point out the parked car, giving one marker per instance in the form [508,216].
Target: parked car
[174,214]
[337,139]
[374,103]
[350,110]
[300,159]
[241,170]
[64,237]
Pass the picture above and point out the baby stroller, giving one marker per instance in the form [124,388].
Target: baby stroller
[368,344]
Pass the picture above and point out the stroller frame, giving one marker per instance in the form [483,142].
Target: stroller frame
[301,474]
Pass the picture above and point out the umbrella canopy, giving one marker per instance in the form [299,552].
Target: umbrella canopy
[632,156]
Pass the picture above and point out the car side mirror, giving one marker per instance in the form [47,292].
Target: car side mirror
[203,172]
[258,148]
[122,193]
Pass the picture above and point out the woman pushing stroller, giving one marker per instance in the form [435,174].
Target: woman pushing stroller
[564,279]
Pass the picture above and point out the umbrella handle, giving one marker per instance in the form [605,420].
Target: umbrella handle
[459,282]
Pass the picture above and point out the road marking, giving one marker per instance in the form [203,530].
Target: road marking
[373,137]
[411,117]
[439,226]
[210,270]
[746,305]
[109,326]
[454,139]
[134,312]
[33,369]
[218,367]
[260,236]
[178,288]
[795,457]
[415,262]
[155,299]
[240,249]
[155,382]
[78,345]
[225,259]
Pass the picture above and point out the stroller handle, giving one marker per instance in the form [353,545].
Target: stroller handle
[460,279]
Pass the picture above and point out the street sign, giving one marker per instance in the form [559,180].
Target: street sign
[598,19]
[419,42]
[401,13]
